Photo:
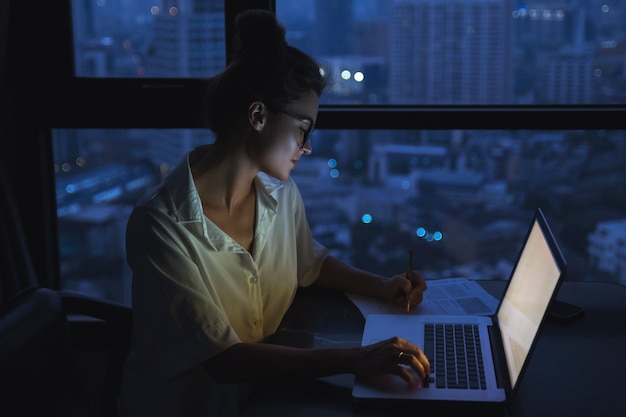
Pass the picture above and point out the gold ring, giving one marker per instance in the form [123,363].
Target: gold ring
[400,355]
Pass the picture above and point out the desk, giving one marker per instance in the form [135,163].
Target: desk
[577,369]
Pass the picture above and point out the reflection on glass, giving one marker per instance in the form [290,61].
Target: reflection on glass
[461,199]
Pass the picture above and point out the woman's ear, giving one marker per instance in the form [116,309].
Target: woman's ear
[257,115]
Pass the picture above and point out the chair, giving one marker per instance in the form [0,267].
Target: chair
[37,370]
[61,353]
[101,333]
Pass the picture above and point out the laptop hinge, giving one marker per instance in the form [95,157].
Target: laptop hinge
[499,361]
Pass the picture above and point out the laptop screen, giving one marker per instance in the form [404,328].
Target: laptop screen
[530,289]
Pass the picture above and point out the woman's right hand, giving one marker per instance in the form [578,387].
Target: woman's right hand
[392,356]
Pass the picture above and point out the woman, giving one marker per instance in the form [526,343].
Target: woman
[218,251]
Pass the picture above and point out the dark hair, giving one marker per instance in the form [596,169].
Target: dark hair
[264,68]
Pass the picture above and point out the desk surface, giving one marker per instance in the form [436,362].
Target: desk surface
[577,369]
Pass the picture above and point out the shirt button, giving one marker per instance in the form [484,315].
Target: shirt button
[253,280]
[255,323]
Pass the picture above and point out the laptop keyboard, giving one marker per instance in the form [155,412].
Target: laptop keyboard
[455,355]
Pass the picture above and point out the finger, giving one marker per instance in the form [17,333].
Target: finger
[414,277]
[422,369]
[416,296]
[416,359]
[417,281]
[413,362]
[402,283]
[402,289]
[405,374]
[423,359]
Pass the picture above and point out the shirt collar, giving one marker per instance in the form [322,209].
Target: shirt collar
[185,200]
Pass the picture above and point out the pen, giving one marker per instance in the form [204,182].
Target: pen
[409,272]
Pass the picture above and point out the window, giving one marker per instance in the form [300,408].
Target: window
[477,52]
[100,174]
[463,115]
[148,39]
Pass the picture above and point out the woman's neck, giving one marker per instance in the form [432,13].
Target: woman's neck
[224,180]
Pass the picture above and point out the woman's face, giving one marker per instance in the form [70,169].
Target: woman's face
[286,135]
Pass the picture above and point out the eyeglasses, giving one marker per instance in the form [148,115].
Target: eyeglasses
[306,133]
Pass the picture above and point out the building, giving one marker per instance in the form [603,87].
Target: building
[450,52]
[607,248]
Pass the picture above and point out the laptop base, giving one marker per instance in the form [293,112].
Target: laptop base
[398,408]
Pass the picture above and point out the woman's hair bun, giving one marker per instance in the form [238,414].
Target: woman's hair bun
[258,33]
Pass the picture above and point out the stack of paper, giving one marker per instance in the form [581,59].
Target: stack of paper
[443,296]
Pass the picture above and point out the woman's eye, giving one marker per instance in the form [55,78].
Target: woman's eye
[303,131]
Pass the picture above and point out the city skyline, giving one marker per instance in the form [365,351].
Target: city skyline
[473,187]
[412,52]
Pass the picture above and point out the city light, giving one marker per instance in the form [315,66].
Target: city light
[428,236]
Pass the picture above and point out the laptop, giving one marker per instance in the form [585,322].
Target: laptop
[504,341]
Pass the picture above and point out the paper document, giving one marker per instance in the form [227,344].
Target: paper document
[443,296]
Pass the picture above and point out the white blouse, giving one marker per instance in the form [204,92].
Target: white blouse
[196,291]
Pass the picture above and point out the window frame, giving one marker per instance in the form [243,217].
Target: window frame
[42,100]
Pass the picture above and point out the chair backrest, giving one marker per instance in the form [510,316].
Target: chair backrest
[47,356]
[107,339]
[38,373]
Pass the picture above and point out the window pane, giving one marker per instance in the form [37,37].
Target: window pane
[461,199]
[147,38]
[100,175]
[464,51]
